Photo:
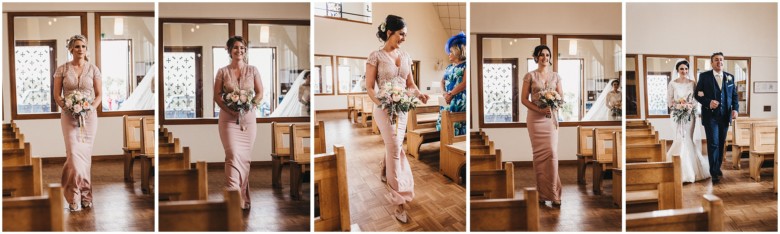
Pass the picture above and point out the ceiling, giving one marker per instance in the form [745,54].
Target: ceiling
[452,16]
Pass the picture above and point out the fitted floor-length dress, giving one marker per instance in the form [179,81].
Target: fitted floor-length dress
[687,137]
[398,171]
[238,139]
[543,132]
[79,141]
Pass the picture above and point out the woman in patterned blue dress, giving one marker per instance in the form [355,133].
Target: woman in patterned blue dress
[454,81]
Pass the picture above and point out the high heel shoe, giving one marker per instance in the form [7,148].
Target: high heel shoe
[556,203]
[401,216]
[86,204]
[73,207]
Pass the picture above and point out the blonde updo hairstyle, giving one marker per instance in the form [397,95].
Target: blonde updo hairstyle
[72,42]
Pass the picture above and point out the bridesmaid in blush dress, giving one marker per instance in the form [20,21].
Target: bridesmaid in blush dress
[543,130]
[390,64]
[238,137]
[82,76]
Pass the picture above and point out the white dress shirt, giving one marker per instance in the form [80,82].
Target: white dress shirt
[718,78]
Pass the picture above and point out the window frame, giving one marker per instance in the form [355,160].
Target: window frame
[161,85]
[98,32]
[343,19]
[636,88]
[332,75]
[644,77]
[336,72]
[12,57]
[748,89]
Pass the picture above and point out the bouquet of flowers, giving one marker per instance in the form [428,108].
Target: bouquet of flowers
[617,109]
[79,105]
[396,100]
[240,101]
[683,110]
[549,98]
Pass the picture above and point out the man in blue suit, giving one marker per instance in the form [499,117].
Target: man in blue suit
[718,97]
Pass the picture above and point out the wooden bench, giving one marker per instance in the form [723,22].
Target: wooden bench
[14,142]
[631,124]
[659,182]
[506,214]
[639,132]
[482,162]
[280,154]
[585,151]
[646,152]
[366,112]
[330,183]
[420,130]
[490,148]
[602,155]
[709,217]
[184,184]
[300,157]
[762,147]
[36,213]
[491,184]
[147,154]
[350,106]
[22,181]
[358,110]
[174,161]
[741,133]
[319,137]
[17,157]
[131,143]
[202,216]
[452,155]
[643,140]
[617,170]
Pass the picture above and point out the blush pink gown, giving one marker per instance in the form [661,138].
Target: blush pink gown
[543,132]
[79,141]
[398,170]
[238,143]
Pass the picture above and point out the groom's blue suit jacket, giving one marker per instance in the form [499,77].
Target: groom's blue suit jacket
[707,90]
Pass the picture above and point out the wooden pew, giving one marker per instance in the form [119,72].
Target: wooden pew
[639,132]
[280,154]
[493,184]
[709,217]
[655,181]
[506,214]
[15,142]
[23,181]
[646,152]
[174,161]
[367,111]
[741,133]
[319,137]
[617,170]
[358,110]
[420,129]
[17,157]
[482,162]
[147,154]
[452,155]
[184,184]
[602,155]
[330,179]
[584,152]
[350,106]
[300,157]
[643,140]
[490,148]
[762,145]
[201,216]
[35,213]
[131,143]
[632,124]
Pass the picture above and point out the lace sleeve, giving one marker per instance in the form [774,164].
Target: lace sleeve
[373,58]
[96,73]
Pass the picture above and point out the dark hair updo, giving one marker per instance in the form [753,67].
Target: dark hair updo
[680,63]
[392,23]
[615,81]
[538,51]
[232,41]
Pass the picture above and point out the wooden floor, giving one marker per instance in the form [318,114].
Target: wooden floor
[581,210]
[272,209]
[439,204]
[749,205]
[118,206]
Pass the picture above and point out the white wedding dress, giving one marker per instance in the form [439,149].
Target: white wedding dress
[687,138]
[600,110]
[290,105]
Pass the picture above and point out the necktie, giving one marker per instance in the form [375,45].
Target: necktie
[719,79]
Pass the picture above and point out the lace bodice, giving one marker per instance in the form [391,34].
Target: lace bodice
[72,82]
[539,82]
[386,69]
[247,80]
[677,90]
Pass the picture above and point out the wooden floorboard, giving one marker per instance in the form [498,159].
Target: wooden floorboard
[439,204]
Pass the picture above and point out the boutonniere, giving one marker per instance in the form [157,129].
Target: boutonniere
[729,77]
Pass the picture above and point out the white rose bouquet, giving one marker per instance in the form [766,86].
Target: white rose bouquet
[241,101]
[396,100]
[549,98]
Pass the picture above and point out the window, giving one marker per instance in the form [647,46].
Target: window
[322,76]
[349,11]
[502,62]
[587,65]
[187,45]
[125,55]
[659,70]
[632,88]
[351,73]
[35,57]
[740,68]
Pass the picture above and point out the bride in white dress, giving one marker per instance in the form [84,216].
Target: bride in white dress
[687,136]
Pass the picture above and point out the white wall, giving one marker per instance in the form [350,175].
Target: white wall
[425,42]
[203,139]
[536,18]
[45,136]
[745,30]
